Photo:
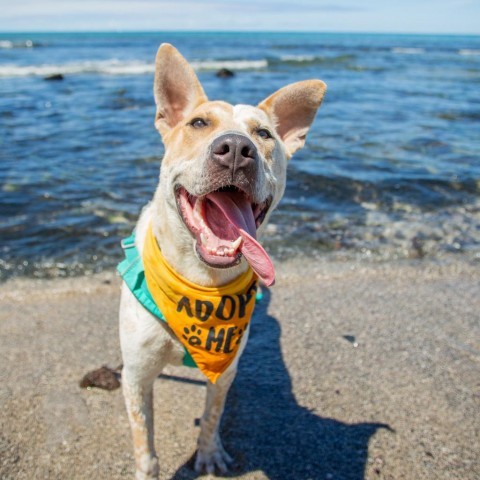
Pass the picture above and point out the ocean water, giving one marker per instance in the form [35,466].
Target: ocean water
[391,168]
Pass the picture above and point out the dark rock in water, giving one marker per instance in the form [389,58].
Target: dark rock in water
[54,77]
[103,377]
[225,73]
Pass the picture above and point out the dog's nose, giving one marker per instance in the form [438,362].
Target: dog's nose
[234,151]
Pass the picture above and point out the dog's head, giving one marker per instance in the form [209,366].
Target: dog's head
[225,166]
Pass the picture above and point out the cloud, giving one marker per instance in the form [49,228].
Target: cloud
[169,14]
[185,7]
[459,16]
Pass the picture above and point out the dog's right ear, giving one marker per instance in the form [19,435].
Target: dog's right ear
[176,88]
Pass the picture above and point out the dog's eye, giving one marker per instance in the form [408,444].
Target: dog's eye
[264,133]
[198,123]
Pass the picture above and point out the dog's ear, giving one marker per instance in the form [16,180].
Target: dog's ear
[176,88]
[292,109]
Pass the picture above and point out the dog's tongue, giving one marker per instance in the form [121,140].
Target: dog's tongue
[238,212]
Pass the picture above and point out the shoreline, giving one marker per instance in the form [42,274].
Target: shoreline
[357,370]
[326,260]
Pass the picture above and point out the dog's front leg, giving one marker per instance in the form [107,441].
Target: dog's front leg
[146,348]
[211,454]
[139,403]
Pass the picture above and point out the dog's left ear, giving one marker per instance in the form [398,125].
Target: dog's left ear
[176,88]
[292,109]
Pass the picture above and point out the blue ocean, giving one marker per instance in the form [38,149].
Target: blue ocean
[391,169]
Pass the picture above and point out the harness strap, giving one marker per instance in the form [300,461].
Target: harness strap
[132,271]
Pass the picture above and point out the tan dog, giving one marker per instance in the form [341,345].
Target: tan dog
[222,175]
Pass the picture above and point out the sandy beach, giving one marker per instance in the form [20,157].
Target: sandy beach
[353,371]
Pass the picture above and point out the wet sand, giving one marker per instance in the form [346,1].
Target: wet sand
[352,372]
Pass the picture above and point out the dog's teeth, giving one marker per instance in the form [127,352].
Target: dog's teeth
[236,244]
[222,250]
[196,211]
[197,214]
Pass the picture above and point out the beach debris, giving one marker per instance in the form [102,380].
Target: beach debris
[417,249]
[225,73]
[351,339]
[105,378]
[54,77]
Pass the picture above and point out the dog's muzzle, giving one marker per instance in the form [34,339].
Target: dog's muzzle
[234,159]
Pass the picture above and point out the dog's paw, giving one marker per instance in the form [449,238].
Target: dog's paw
[149,468]
[212,459]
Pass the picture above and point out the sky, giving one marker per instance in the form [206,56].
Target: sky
[376,16]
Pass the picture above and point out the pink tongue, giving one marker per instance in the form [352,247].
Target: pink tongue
[238,212]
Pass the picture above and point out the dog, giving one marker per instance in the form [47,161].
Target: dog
[223,173]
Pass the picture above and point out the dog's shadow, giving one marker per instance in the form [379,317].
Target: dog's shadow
[265,429]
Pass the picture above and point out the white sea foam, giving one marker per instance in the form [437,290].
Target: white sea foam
[467,51]
[116,67]
[230,64]
[408,51]
[10,44]
[298,58]
[108,67]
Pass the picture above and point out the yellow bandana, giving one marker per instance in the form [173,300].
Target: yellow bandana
[209,321]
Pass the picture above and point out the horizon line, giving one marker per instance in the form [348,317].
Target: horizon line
[302,32]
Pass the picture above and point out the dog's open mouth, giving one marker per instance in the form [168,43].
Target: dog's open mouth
[224,223]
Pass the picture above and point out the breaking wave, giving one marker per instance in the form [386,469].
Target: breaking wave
[108,67]
[134,67]
[467,51]
[7,44]
[230,64]
[408,51]
[116,67]
[302,60]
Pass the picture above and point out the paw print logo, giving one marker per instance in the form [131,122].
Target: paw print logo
[192,336]
[240,334]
